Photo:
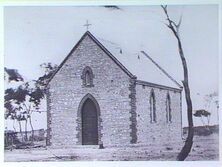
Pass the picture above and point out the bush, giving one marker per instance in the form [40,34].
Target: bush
[36,138]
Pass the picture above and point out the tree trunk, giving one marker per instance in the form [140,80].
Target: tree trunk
[208,120]
[218,114]
[30,122]
[208,123]
[20,129]
[201,118]
[26,135]
[189,141]
[14,125]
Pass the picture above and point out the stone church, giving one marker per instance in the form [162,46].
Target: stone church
[101,94]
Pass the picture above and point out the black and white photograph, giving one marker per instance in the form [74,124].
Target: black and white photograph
[111,83]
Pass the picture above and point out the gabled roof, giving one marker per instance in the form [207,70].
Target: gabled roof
[140,65]
[101,46]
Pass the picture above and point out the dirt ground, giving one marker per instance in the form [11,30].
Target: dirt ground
[204,148]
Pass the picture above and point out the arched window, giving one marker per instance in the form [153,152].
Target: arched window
[87,77]
[152,107]
[168,109]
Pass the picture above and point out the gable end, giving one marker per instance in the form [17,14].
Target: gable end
[101,47]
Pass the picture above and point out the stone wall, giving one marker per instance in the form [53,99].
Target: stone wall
[123,102]
[111,90]
[160,132]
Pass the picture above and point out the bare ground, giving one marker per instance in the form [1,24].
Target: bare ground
[204,148]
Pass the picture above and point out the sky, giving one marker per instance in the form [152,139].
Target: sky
[35,35]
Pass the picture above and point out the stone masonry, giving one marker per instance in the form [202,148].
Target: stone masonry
[111,90]
[161,131]
[122,101]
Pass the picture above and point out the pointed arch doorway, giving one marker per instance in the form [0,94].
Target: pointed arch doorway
[90,114]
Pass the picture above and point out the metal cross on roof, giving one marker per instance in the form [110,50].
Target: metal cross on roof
[87,25]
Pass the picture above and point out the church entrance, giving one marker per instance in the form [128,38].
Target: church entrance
[89,123]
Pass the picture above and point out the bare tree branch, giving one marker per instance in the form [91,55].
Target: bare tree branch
[189,141]
[180,21]
[171,24]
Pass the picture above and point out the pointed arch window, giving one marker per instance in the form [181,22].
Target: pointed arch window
[87,77]
[152,107]
[168,109]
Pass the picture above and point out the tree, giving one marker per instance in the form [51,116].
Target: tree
[22,101]
[13,104]
[11,111]
[12,75]
[174,27]
[49,70]
[217,105]
[203,113]
[211,101]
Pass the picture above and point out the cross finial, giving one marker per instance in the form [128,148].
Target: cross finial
[87,25]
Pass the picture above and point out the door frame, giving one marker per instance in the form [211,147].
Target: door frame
[79,118]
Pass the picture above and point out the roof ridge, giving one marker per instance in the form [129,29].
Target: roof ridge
[66,58]
[112,56]
[101,46]
[108,41]
[164,71]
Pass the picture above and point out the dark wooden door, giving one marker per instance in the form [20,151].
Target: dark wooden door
[89,123]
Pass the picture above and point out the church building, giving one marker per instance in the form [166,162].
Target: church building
[101,94]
